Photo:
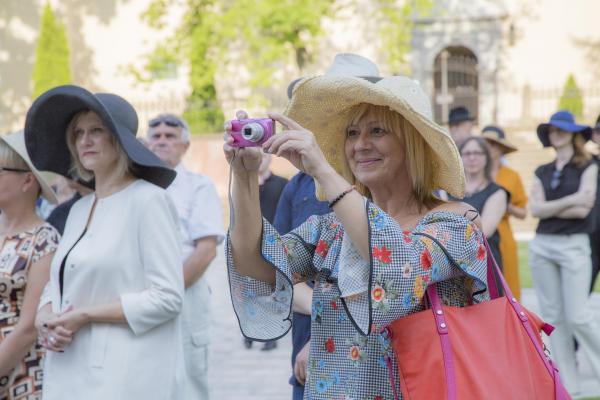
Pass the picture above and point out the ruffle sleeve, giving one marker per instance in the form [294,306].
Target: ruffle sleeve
[264,310]
[444,247]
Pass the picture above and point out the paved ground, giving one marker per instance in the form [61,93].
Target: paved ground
[237,373]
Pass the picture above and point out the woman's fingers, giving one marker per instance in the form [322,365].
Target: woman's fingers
[292,145]
[241,114]
[63,332]
[271,145]
[286,121]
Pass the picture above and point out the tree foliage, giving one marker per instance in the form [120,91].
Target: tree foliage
[396,29]
[571,98]
[51,66]
[264,31]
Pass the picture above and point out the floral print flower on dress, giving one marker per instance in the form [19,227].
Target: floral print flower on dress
[382,254]
[382,293]
[321,248]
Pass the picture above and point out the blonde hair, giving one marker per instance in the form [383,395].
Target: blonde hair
[421,160]
[9,158]
[122,166]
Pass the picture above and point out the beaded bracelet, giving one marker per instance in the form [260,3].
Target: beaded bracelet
[340,196]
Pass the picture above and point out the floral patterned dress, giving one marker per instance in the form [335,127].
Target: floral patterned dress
[17,254]
[352,299]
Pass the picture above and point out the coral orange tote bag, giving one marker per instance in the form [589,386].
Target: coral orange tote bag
[492,350]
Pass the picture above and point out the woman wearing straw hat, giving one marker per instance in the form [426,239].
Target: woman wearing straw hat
[109,315]
[27,244]
[562,197]
[510,180]
[376,157]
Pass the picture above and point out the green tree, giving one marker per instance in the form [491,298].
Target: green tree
[571,98]
[51,66]
[396,27]
[266,32]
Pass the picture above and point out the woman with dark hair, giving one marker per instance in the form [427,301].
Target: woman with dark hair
[562,197]
[488,198]
[109,314]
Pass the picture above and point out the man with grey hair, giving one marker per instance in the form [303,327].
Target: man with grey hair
[201,221]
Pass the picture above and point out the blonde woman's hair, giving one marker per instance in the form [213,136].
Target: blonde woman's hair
[421,160]
[10,158]
[581,156]
[122,166]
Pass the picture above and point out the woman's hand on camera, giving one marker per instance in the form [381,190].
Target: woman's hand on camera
[242,160]
[298,146]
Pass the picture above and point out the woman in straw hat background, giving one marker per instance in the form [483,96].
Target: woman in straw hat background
[27,244]
[109,316]
[510,180]
[562,197]
[377,157]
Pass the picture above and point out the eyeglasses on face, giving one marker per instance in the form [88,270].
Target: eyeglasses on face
[167,120]
[7,169]
[467,154]
[556,179]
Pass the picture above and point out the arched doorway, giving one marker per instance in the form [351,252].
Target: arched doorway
[459,86]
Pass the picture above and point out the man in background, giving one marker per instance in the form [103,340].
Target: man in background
[201,224]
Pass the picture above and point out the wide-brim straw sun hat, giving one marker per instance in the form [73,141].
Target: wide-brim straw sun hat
[16,141]
[324,104]
[496,135]
[46,126]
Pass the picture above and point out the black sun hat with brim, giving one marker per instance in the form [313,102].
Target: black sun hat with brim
[46,126]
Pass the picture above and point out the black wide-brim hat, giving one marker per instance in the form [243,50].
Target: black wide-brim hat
[565,121]
[46,126]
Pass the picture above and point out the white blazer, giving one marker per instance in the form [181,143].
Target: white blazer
[130,251]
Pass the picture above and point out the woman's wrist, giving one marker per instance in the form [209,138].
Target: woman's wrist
[325,175]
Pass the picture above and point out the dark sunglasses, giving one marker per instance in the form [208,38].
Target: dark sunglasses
[556,179]
[2,169]
[169,121]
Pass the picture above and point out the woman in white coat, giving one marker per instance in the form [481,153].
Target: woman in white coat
[109,313]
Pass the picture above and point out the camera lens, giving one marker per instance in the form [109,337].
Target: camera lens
[253,132]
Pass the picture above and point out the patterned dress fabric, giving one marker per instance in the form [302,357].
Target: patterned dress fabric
[17,254]
[353,300]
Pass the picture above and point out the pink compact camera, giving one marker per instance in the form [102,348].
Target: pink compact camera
[251,132]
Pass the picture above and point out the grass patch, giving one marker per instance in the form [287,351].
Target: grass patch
[525,272]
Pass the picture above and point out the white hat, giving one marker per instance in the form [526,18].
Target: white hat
[16,141]
[347,64]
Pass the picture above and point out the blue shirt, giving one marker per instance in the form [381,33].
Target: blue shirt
[298,202]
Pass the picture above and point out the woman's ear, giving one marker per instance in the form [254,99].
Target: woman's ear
[29,181]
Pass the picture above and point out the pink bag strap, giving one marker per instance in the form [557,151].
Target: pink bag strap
[442,329]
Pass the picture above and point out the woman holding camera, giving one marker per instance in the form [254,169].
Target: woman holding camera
[562,197]
[109,314]
[377,157]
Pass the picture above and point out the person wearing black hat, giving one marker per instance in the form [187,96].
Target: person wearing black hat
[562,197]
[595,236]
[460,124]
[109,315]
